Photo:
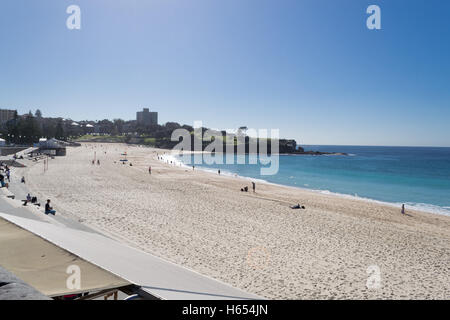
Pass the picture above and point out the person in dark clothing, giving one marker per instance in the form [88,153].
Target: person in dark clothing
[48,208]
[34,201]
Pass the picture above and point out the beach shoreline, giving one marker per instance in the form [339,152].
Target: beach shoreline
[419,207]
[253,241]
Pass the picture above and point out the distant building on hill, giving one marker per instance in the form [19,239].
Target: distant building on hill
[146,117]
[6,115]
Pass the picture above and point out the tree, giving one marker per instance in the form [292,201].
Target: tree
[12,129]
[29,129]
[59,132]
[118,126]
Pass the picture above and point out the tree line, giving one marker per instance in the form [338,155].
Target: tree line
[29,128]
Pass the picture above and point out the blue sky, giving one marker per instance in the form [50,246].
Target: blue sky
[308,67]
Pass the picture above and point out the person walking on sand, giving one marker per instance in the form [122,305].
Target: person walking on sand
[48,208]
[403,208]
[254,186]
[150,170]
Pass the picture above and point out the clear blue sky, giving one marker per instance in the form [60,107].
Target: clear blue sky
[308,67]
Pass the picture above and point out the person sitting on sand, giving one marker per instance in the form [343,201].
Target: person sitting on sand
[22,180]
[34,201]
[48,208]
[28,199]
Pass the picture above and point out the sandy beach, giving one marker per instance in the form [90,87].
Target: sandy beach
[253,241]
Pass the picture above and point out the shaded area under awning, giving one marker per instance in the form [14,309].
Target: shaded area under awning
[44,265]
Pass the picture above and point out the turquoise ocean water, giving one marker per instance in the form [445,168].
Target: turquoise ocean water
[416,176]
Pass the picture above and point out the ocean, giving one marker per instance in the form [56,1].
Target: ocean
[419,177]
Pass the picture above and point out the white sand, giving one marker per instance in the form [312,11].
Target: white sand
[252,241]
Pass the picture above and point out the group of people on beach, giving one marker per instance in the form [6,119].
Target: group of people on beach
[5,173]
[33,200]
[245,189]
[6,170]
